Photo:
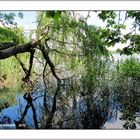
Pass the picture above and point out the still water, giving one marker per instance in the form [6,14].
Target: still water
[13,112]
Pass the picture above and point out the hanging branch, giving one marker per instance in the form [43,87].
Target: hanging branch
[45,51]
[22,64]
[27,71]
[27,78]
[52,67]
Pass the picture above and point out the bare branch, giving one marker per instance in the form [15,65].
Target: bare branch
[6,53]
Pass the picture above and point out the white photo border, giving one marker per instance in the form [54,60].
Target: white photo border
[70,5]
[69,134]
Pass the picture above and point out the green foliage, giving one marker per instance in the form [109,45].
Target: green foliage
[134,46]
[130,68]
[54,14]
[10,73]
[9,31]
[7,18]
[11,35]
[10,69]
[20,15]
[127,98]
[112,33]
[114,27]
[127,91]
[108,15]
[94,42]
[134,15]
[8,35]
[95,60]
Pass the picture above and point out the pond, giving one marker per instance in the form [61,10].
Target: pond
[12,111]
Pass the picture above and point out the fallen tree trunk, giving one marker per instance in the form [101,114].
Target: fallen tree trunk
[13,50]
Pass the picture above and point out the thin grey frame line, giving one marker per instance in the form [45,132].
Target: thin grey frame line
[73,0]
[69,139]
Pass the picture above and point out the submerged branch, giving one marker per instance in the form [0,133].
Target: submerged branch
[50,118]
[29,99]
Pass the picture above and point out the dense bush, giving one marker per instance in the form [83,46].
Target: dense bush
[130,68]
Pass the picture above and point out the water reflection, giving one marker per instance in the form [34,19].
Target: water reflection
[76,110]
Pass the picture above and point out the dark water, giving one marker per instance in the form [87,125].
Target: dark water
[12,113]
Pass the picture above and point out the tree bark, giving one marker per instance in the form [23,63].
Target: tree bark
[13,50]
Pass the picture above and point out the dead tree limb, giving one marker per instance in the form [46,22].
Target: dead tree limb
[27,78]
[17,49]
[22,65]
